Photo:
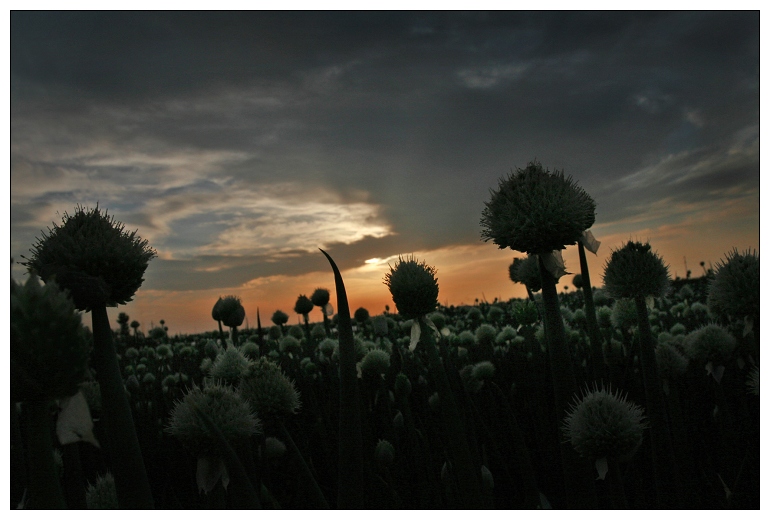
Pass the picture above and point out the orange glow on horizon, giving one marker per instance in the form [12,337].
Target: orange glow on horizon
[464,273]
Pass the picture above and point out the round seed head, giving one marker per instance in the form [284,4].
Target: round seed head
[413,286]
[486,334]
[226,408]
[250,350]
[624,314]
[268,390]
[604,424]
[49,352]
[232,312]
[526,271]
[376,362]
[710,342]
[634,270]
[93,257]
[229,366]
[734,291]
[483,371]
[537,211]
[507,334]
[304,305]
[320,297]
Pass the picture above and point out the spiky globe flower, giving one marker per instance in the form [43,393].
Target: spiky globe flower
[93,257]
[734,291]
[279,318]
[290,345]
[250,350]
[376,362]
[635,270]
[526,271]
[320,297]
[483,371]
[413,286]
[525,313]
[231,311]
[624,314]
[224,406]
[605,424]
[327,346]
[710,342]
[506,335]
[361,315]
[537,211]
[486,334]
[49,352]
[304,305]
[229,366]
[102,494]
[268,390]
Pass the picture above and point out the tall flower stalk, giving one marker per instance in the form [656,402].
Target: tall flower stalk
[414,288]
[635,272]
[598,361]
[539,212]
[100,264]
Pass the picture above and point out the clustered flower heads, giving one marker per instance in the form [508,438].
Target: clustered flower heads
[734,291]
[605,424]
[710,342]
[537,211]
[226,408]
[413,286]
[268,390]
[93,257]
[634,270]
[49,353]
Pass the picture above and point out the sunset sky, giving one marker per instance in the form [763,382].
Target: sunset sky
[240,143]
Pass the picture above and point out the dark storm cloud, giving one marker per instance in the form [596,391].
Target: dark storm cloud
[415,114]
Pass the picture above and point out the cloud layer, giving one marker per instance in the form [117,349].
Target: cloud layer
[240,143]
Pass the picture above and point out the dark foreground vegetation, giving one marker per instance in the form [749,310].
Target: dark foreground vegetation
[641,394]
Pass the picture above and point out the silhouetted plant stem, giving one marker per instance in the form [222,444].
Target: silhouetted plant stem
[18,469]
[319,496]
[131,483]
[578,484]
[666,480]
[351,468]
[598,361]
[73,479]
[522,461]
[468,476]
[43,482]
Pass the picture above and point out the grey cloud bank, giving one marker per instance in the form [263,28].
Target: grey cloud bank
[239,143]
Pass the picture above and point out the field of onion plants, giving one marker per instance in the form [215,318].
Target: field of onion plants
[641,394]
